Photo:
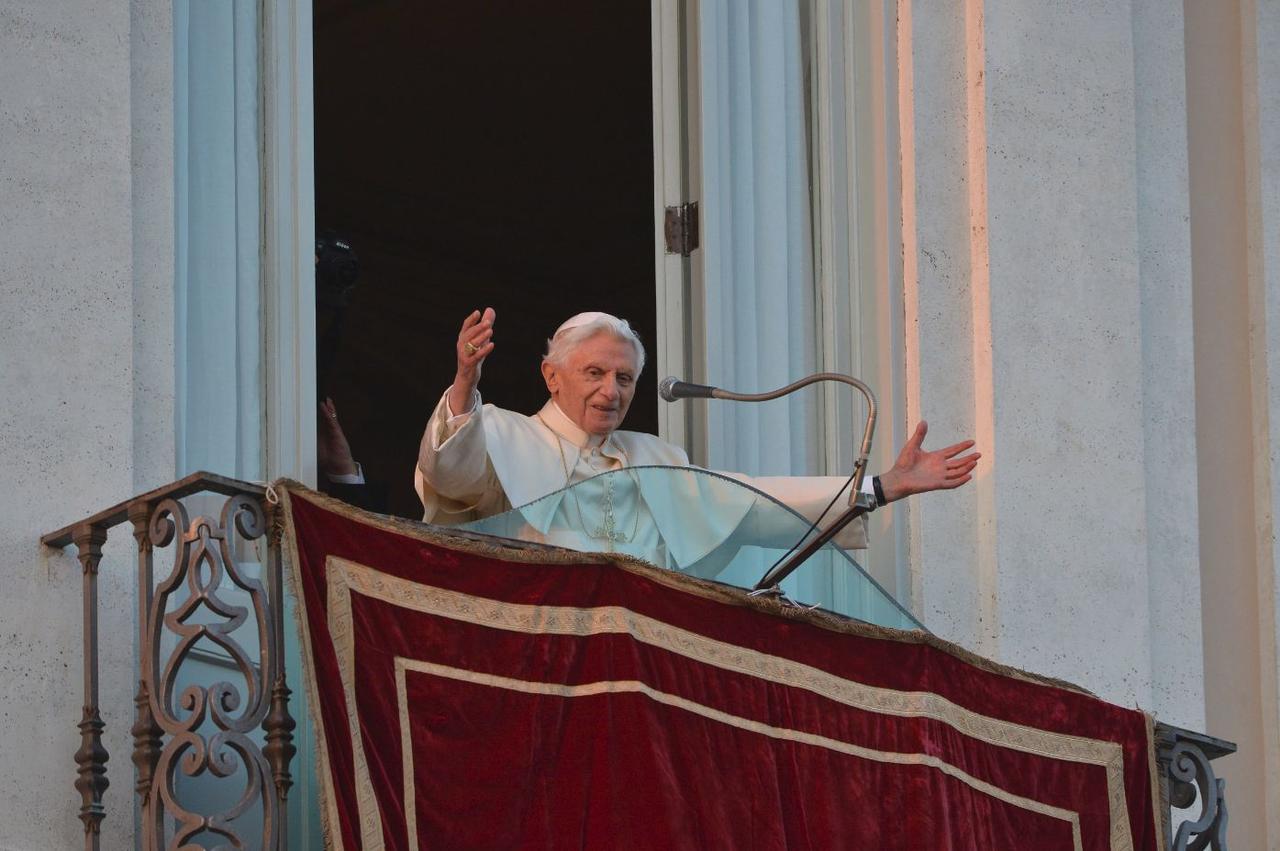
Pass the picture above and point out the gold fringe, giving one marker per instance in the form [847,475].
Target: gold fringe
[1159,798]
[330,834]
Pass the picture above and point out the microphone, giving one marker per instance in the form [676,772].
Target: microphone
[672,388]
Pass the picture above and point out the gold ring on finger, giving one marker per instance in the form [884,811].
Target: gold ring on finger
[469,348]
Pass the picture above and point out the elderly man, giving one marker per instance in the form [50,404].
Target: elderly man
[478,460]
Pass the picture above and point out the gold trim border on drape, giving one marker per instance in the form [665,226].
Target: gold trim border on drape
[346,577]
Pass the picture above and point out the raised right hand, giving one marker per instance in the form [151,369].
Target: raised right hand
[333,453]
[921,471]
[475,342]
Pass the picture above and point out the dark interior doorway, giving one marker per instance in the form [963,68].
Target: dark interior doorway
[487,153]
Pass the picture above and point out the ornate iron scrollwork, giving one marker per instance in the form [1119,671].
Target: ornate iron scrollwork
[1188,776]
[208,727]
[203,562]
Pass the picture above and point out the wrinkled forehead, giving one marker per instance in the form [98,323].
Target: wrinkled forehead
[607,349]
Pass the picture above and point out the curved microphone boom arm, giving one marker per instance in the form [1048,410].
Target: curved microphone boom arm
[672,388]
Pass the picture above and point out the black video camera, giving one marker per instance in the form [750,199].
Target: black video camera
[337,269]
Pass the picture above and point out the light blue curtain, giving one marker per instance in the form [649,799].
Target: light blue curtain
[218,209]
[758,258]
[218,330]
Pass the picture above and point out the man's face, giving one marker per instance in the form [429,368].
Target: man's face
[595,384]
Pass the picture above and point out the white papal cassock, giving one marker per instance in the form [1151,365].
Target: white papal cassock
[488,460]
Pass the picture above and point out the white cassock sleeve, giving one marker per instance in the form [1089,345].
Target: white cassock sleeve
[808,496]
[454,477]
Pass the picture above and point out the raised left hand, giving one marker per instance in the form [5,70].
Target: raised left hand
[918,471]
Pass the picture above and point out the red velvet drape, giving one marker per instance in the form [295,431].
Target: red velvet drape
[549,700]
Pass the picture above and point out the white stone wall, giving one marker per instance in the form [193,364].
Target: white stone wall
[1262,108]
[949,530]
[85,375]
[1054,312]
[1169,425]
[1054,324]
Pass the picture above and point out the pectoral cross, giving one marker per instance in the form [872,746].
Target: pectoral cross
[608,529]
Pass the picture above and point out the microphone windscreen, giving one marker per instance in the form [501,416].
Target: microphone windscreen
[672,388]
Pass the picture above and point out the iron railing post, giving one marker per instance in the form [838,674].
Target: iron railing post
[146,732]
[91,776]
[279,724]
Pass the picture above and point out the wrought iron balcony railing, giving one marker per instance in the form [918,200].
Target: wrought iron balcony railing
[241,734]
[205,727]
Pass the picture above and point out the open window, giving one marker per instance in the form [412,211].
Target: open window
[472,155]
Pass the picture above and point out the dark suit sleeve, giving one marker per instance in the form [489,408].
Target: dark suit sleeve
[371,496]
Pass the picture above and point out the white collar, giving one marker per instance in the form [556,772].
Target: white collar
[558,421]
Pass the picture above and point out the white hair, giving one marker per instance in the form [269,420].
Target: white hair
[569,338]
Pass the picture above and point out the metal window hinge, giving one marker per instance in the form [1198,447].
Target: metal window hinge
[681,228]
